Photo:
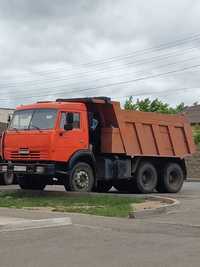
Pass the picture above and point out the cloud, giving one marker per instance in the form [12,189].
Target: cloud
[45,44]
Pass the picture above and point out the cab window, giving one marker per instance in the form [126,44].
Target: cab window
[76,120]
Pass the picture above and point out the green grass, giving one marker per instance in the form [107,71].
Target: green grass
[103,205]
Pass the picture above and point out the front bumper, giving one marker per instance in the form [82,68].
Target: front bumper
[22,168]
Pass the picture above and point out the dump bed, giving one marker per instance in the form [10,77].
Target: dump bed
[137,133]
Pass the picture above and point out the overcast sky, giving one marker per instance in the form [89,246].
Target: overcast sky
[116,48]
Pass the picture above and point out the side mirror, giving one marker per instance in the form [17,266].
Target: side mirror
[68,127]
[9,118]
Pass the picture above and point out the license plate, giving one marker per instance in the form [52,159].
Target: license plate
[20,168]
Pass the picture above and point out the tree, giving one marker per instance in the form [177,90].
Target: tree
[155,105]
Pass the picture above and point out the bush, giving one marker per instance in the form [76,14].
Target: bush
[196,134]
[197,138]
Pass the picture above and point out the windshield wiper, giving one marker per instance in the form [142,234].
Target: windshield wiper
[35,127]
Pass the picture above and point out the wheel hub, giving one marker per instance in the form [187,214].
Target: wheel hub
[174,178]
[81,180]
[146,178]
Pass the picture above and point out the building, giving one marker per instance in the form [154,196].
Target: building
[193,114]
[4,115]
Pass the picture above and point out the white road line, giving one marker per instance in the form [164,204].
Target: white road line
[93,227]
[35,224]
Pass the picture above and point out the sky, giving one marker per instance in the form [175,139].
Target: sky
[115,48]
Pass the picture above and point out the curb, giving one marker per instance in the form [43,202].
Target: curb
[171,203]
[195,180]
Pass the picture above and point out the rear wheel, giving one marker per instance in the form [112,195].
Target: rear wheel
[81,178]
[31,182]
[171,179]
[145,180]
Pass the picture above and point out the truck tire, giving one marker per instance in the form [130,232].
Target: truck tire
[145,180]
[170,179]
[81,178]
[103,186]
[29,182]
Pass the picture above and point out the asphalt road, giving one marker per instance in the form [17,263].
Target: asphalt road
[171,239]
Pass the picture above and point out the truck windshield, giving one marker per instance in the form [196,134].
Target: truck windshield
[39,119]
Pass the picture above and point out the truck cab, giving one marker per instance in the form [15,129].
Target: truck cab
[46,132]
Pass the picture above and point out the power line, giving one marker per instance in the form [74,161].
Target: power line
[118,83]
[74,75]
[106,85]
[153,49]
[161,46]
[97,80]
[158,92]
[106,71]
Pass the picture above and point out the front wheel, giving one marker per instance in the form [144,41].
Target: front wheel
[31,182]
[81,178]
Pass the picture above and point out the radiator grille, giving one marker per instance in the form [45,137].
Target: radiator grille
[32,155]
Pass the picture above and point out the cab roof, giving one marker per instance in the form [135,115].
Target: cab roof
[71,103]
[54,105]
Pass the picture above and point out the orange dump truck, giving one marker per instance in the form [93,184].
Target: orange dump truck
[91,144]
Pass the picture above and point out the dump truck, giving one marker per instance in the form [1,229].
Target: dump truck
[91,144]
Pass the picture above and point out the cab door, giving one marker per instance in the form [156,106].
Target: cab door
[70,141]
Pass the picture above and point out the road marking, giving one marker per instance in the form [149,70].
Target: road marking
[35,224]
[91,226]
[97,228]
